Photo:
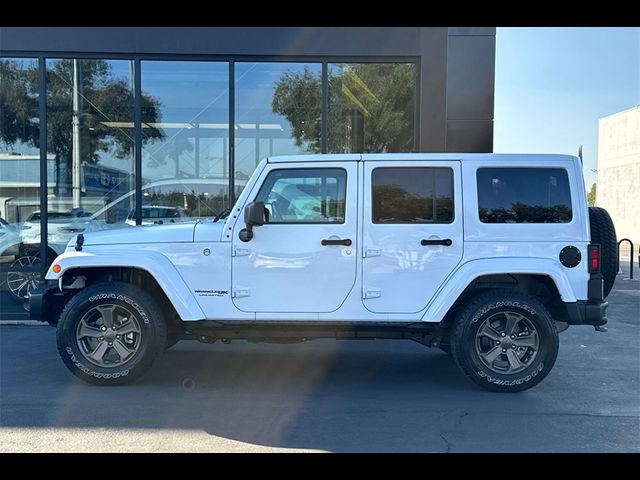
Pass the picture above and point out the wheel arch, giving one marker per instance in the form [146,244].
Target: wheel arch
[150,270]
[540,278]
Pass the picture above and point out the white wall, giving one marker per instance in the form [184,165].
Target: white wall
[619,171]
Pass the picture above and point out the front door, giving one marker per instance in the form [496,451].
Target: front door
[304,259]
[412,232]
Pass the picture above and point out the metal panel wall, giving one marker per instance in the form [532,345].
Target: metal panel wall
[470,89]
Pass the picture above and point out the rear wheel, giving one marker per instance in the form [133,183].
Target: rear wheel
[110,334]
[505,341]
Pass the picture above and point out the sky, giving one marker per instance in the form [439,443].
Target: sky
[553,84]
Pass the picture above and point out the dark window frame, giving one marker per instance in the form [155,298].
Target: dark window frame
[526,167]
[346,184]
[434,167]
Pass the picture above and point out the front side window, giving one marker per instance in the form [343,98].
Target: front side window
[412,195]
[305,195]
[524,195]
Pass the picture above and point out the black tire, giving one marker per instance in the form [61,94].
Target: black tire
[604,232]
[492,305]
[150,341]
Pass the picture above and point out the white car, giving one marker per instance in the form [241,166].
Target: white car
[486,256]
[56,222]
[159,215]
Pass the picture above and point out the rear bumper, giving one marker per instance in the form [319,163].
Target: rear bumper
[43,303]
[589,312]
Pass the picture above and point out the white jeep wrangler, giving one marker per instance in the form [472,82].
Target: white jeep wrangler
[486,256]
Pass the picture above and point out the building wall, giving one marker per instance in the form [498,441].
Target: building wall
[618,188]
[455,114]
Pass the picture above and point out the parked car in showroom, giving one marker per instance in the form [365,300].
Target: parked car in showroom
[486,256]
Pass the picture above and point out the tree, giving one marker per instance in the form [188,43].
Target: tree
[298,96]
[591,196]
[371,107]
[106,110]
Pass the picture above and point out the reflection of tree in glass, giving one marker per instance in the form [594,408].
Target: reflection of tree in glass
[18,103]
[103,99]
[298,97]
[444,209]
[393,204]
[522,213]
[371,107]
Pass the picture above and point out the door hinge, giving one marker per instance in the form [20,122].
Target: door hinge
[370,292]
[240,252]
[241,292]
[371,252]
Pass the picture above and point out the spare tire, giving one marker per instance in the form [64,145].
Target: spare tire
[603,232]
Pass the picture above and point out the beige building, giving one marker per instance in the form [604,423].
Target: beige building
[618,188]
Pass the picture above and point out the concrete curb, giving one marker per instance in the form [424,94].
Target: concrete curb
[31,323]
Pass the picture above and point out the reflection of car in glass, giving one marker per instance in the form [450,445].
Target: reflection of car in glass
[20,245]
[154,214]
[19,261]
[201,194]
[9,237]
[56,221]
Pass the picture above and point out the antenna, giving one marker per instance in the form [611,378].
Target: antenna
[580,155]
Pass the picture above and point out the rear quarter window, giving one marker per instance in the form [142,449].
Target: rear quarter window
[523,195]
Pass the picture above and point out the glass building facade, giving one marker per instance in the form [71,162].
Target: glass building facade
[94,142]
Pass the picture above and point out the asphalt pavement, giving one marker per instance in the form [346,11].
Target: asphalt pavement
[327,395]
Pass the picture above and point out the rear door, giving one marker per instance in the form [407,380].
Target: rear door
[412,232]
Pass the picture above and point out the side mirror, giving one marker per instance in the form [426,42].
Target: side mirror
[254,215]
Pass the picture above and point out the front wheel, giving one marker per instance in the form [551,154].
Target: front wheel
[110,334]
[505,341]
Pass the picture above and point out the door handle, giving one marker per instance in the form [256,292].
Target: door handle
[347,242]
[446,242]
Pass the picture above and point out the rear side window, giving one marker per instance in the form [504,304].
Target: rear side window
[523,195]
[412,195]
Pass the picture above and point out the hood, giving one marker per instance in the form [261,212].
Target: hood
[167,233]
